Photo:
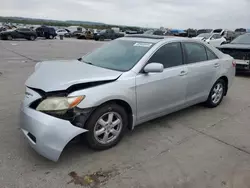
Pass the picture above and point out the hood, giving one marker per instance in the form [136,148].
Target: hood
[60,75]
[235,46]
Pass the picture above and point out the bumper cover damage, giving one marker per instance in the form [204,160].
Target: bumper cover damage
[48,135]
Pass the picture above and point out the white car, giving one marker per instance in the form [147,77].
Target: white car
[214,39]
[61,32]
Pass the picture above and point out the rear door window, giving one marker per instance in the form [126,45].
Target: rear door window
[194,52]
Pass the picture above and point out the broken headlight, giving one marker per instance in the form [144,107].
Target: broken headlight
[60,104]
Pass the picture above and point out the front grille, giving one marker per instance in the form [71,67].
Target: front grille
[243,54]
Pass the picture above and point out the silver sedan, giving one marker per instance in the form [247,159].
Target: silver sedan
[124,83]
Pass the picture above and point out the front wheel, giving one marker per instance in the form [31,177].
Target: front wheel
[216,94]
[106,126]
[32,38]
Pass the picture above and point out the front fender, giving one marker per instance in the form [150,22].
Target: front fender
[118,90]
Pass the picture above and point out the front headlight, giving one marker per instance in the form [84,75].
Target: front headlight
[59,103]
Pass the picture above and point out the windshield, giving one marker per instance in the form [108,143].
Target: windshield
[118,55]
[242,39]
[204,35]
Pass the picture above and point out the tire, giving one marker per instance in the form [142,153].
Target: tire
[51,37]
[215,97]
[9,37]
[32,38]
[96,140]
[101,38]
[81,37]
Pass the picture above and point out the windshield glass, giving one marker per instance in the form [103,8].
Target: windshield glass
[118,55]
[204,35]
[242,39]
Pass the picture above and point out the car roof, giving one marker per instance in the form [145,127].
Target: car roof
[152,38]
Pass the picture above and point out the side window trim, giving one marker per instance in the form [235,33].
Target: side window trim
[185,52]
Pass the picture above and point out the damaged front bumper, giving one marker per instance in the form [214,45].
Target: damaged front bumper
[48,135]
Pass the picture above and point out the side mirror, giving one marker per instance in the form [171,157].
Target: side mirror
[153,67]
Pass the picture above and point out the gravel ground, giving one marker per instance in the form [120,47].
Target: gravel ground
[194,148]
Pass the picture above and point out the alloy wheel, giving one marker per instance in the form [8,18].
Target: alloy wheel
[108,127]
[217,93]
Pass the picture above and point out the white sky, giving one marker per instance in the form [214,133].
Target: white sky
[147,13]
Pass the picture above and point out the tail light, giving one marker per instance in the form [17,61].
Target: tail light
[234,63]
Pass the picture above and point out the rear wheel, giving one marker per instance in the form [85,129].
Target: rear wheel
[32,37]
[216,94]
[51,37]
[106,126]
[101,38]
[9,37]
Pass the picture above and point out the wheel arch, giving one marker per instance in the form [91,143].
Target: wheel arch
[127,107]
[225,79]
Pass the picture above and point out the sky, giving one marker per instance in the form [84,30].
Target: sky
[182,14]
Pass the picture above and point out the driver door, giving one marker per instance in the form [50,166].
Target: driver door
[164,92]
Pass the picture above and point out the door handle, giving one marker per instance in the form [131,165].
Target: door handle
[216,65]
[183,73]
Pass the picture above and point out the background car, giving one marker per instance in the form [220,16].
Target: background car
[21,33]
[61,32]
[86,35]
[154,32]
[214,39]
[200,31]
[47,32]
[239,49]
[107,34]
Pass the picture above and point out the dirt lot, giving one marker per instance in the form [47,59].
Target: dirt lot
[193,148]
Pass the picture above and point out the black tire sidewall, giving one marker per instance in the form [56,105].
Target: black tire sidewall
[209,101]
[101,38]
[9,37]
[90,124]
[32,38]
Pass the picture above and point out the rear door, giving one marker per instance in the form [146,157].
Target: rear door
[203,67]
[161,93]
